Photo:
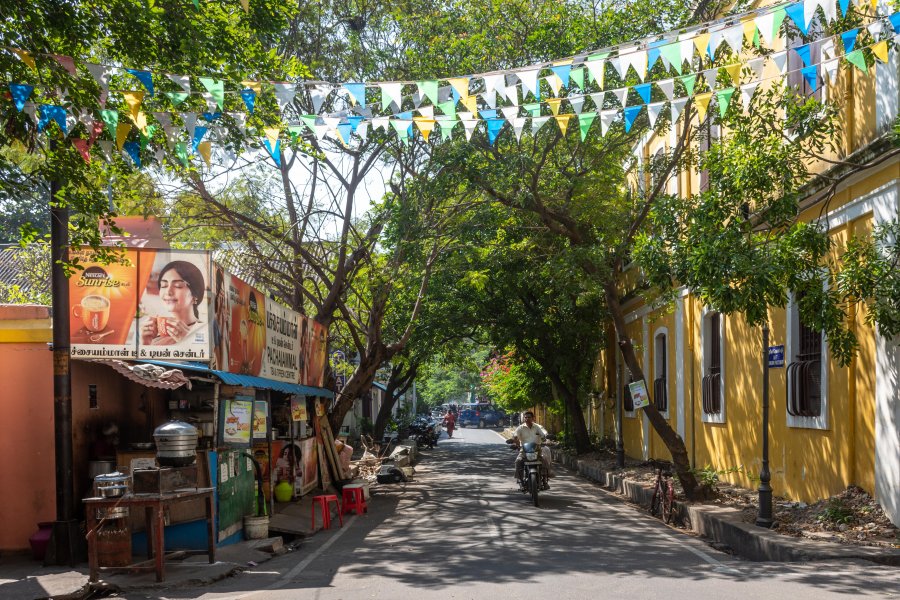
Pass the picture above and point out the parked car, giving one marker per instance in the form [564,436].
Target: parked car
[481,416]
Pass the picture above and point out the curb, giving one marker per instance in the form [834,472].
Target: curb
[725,526]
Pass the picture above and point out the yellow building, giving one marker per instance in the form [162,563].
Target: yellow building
[705,369]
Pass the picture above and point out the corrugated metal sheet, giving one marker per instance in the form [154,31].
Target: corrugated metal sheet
[247,380]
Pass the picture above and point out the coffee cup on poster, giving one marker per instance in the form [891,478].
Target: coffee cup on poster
[162,328]
[93,311]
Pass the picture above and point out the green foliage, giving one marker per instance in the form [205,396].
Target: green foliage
[708,476]
[836,511]
[870,271]
[512,382]
[33,262]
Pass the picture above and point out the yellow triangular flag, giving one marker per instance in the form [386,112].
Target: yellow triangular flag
[554,105]
[702,101]
[701,42]
[205,150]
[555,83]
[874,4]
[750,29]
[272,134]
[425,125]
[880,50]
[461,85]
[563,122]
[26,57]
[734,71]
[245,4]
[470,102]
[560,63]
[122,131]
[133,100]
[141,122]
[253,85]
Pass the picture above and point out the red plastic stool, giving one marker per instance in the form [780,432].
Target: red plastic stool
[324,502]
[354,498]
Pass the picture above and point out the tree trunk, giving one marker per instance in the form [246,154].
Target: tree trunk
[576,416]
[384,415]
[356,386]
[670,437]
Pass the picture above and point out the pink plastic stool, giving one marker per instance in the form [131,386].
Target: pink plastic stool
[324,502]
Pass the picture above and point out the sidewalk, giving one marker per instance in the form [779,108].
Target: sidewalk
[725,527]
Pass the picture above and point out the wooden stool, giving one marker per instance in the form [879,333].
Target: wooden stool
[324,502]
[354,498]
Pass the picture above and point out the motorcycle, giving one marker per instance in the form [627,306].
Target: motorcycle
[426,431]
[534,473]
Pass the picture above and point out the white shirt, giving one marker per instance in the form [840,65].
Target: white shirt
[526,434]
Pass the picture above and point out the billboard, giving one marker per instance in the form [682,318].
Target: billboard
[282,359]
[246,348]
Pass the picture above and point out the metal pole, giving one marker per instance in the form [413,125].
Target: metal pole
[65,536]
[764,517]
[620,443]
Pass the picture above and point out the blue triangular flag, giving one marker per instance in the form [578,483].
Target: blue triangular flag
[56,113]
[345,130]
[795,12]
[354,121]
[652,56]
[811,74]
[456,96]
[494,125]
[644,91]
[849,39]
[249,97]
[20,93]
[803,53]
[276,153]
[134,151]
[358,91]
[199,132]
[211,116]
[895,21]
[488,114]
[145,77]
[562,71]
[405,116]
[844,4]
[631,113]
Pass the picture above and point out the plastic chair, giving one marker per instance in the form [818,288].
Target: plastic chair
[324,502]
[354,498]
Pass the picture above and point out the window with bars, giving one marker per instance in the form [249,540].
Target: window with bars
[804,374]
[660,388]
[712,378]
[627,401]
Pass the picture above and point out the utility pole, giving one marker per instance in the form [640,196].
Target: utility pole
[764,517]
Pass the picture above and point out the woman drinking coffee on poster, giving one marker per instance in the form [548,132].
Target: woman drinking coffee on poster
[181,289]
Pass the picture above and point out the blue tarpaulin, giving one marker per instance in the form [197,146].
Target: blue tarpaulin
[246,380]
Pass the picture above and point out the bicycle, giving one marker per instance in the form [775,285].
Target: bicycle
[662,504]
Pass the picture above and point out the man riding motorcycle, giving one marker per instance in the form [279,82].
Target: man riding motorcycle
[529,431]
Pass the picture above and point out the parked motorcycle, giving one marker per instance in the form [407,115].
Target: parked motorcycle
[426,431]
[534,473]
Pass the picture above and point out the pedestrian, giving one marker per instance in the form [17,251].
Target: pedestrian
[449,422]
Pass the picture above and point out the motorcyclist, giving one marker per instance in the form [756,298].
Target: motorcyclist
[529,431]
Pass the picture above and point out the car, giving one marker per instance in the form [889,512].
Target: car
[481,416]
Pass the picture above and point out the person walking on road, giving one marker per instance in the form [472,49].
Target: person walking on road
[449,422]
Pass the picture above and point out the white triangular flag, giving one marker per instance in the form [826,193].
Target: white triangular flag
[638,61]
[875,29]
[677,106]
[827,48]
[332,122]
[667,86]
[284,94]
[830,67]
[518,125]
[829,7]
[687,48]
[106,146]
[101,73]
[492,82]
[756,65]
[621,94]
[510,112]
[211,104]
[780,60]
[529,80]
[577,102]
[607,117]
[747,91]
[653,111]
[597,69]
[512,93]
[715,38]
[190,123]
[597,97]
[490,98]
[554,82]
[620,65]
[734,37]
[466,116]
[362,130]
[318,94]
[426,111]
[322,131]
[537,123]
[470,128]
[764,24]
[809,10]
[240,119]
[381,123]
[182,81]
[394,92]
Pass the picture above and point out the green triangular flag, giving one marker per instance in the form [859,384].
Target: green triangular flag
[584,123]
[197,6]
[309,121]
[177,97]
[689,81]
[858,59]
[576,76]
[146,135]
[111,119]
[401,126]
[672,53]
[723,99]
[295,131]
[756,41]
[534,108]
[448,107]
[780,14]
[429,89]
[181,152]
[216,89]
[447,129]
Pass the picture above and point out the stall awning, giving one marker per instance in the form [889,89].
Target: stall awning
[167,378]
[246,380]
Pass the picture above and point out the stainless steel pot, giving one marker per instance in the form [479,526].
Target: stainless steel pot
[111,485]
[112,491]
[176,444]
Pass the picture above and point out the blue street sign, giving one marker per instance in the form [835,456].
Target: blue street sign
[337,356]
[339,382]
[776,356]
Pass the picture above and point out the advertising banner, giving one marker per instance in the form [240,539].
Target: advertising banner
[639,394]
[282,359]
[315,346]
[248,328]
[220,332]
[237,418]
[103,301]
[172,322]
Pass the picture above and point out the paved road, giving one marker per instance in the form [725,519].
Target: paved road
[461,530]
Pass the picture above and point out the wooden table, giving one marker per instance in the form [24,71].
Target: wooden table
[154,506]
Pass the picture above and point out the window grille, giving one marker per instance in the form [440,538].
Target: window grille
[660,389]
[627,401]
[712,381]
[805,375]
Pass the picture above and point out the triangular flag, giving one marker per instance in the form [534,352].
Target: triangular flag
[25,57]
[216,89]
[653,111]
[831,69]
[534,108]
[874,29]
[677,106]
[447,129]
[205,150]
[133,100]
[554,103]
[199,134]
[597,69]
[146,78]
[67,63]
[749,30]
[857,59]
[554,82]
[344,132]
[461,85]
[425,126]
[245,4]
[256,86]
[620,65]
[494,126]
[318,94]
[734,37]
[284,95]
[122,131]
[643,91]
[715,39]
[621,95]
[448,107]
[563,122]
[190,122]
[701,42]
[101,74]
[380,123]
[537,123]
[106,147]
[688,81]
[672,54]
[584,123]
[134,151]
[391,92]
[844,4]
[401,126]
[429,89]
[723,99]
[357,92]
[702,101]
[576,102]
[249,98]
[177,98]
[20,93]
[426,111]
[50,112]
[470,128]
[757,65]
[83,149]
[795,12]
[607,117]
[180,152]
[710,76]
[492,82]
[518,126]
[140,121]
[530,81]
[577,77]
[686,41]
[598,100]
[490,98]
[880,50]
[562,71]
[668,87]
[780,60]
[747,91]
[182,81]
[809,10]
[734,71]
[488,113]
[895,21]
[631,113]
[111,118]
[849,39]
[772,25]
[470,102]
[510,112]
[653,54]
[811,76]
[804,53]
[272,134]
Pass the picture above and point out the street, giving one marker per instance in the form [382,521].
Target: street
[462,530]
